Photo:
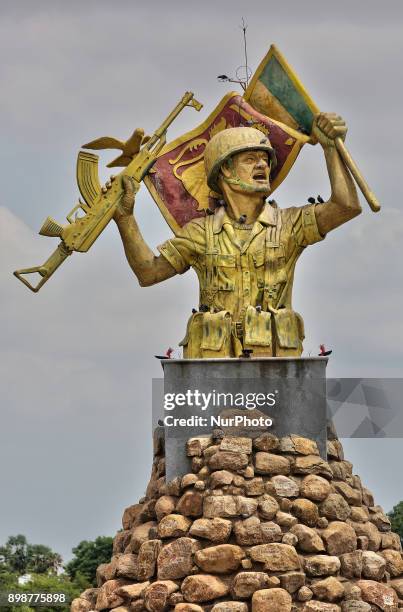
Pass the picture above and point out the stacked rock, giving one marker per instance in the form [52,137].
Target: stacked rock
[259,525]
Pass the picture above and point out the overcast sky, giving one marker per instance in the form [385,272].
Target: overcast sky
[77,358]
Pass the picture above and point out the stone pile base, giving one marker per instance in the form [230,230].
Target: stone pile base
[263,525]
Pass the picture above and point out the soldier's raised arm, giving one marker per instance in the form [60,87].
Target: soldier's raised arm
[343,203]
[148,267]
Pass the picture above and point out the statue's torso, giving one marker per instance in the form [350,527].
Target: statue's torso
[245,277]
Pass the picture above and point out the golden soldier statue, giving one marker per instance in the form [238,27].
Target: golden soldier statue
[212,185]
[245,253]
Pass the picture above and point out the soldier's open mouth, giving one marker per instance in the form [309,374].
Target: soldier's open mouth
[260,176]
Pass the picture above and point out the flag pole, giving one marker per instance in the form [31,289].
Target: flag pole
[358,177]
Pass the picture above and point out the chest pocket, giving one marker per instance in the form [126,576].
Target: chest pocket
[225,272]
[276,257]
[270,266]
[220,271]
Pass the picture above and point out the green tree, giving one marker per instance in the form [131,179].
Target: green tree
[43,583]
[8,580]
[88,555]
[396,519]
[14,554]
[20,557]
[42,560]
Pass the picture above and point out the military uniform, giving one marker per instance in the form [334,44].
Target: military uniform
[246,276]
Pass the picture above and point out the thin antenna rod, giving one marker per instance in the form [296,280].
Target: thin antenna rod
[242,80]
[244,28]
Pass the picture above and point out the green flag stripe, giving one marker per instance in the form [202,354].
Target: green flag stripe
[278,83]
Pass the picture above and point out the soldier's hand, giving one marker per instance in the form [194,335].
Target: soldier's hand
[327,127]
[126,204]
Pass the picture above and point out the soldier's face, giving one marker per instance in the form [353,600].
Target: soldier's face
[253,168]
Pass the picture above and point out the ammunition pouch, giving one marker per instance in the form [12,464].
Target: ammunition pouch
[214,335]
[208,335]
[289,329]
[257,328]
[193,338]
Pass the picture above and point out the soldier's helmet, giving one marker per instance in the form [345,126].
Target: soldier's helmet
[229,142]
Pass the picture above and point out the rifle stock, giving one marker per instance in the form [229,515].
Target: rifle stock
[45,270]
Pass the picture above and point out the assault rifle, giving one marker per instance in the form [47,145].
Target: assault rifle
[99,202]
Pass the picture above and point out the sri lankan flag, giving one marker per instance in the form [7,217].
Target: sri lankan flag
[275,102]
[276,91]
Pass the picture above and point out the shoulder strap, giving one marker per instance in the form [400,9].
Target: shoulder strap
[272,242]
[211,269]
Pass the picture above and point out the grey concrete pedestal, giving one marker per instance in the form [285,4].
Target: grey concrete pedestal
[297,384]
